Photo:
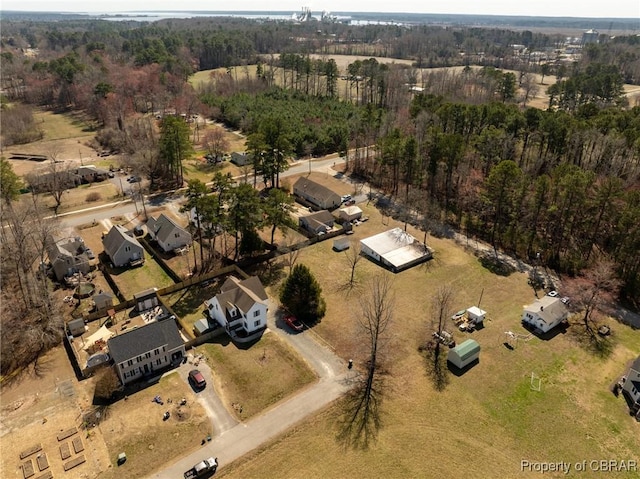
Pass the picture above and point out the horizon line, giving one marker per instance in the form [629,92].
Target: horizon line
[201,11]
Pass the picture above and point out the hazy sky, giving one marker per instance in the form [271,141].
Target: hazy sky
[547,8]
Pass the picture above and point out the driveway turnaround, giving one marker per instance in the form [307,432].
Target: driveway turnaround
[232,443]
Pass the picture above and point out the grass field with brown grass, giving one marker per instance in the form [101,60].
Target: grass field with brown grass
[257,376]
[135,426]
[485,421]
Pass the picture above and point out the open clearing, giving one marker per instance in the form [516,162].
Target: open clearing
[485,421]
[256,376]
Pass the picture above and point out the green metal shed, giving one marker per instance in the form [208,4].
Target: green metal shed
[464,353]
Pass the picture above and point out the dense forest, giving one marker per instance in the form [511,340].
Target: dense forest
[464,149]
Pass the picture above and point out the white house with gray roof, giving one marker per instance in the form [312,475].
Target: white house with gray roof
[122,248]
[545,313]
[146,350]
[167,233]
[241,304]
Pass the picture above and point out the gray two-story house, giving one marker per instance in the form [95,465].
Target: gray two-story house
[146,350]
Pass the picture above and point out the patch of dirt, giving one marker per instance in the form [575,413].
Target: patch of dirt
[36,407]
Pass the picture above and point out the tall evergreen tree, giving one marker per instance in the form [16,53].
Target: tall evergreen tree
[302,295]
[174,148]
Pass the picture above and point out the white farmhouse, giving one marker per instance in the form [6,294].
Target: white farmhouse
[545,313]
[240,307]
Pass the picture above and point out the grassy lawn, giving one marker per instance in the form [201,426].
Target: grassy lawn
[57,126]
[489,417]
[258,376]
[188,303]
[197,169]
[134,280]
[136,427]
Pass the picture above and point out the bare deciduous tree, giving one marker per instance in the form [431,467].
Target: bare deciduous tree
[215,142]
[353,257]
[362,414]
[291,252]
[594,292]
[441,307]
[55,180]
[31,322]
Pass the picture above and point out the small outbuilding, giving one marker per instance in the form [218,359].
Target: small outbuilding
[476,315]
[464,354]
[146,299]
[341,244]
[76,327]
[103,300]
[350,213]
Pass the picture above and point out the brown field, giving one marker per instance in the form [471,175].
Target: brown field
[256,377]
[540,100]
[490,415]
[39,404]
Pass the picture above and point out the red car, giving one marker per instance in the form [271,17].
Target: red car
[197,379]
[293,322]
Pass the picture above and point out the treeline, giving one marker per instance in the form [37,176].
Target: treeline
[313,126]
[532,181]
[182,46]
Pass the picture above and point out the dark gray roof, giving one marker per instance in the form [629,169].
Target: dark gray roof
[318,219]
[164,227]
[312,188]
[146,338]
[116,236]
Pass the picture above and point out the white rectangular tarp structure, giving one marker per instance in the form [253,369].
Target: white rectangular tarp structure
[102,333]
[395,248]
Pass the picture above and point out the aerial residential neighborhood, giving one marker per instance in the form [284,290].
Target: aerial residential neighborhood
[337,264]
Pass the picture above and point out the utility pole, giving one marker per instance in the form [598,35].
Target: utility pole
[144,207]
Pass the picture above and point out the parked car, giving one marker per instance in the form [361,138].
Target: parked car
[89,253]
[293,322]
[346,198]
[197,379]
[553,294]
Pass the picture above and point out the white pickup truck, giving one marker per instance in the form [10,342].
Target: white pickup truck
[204,468]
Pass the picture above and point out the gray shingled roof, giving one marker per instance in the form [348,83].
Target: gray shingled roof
[319,218]
[163,227]
[242,294]
[143,339]
[312,188]
[548,308]
[116,236]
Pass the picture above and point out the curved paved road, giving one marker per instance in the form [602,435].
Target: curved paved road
[232,443]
